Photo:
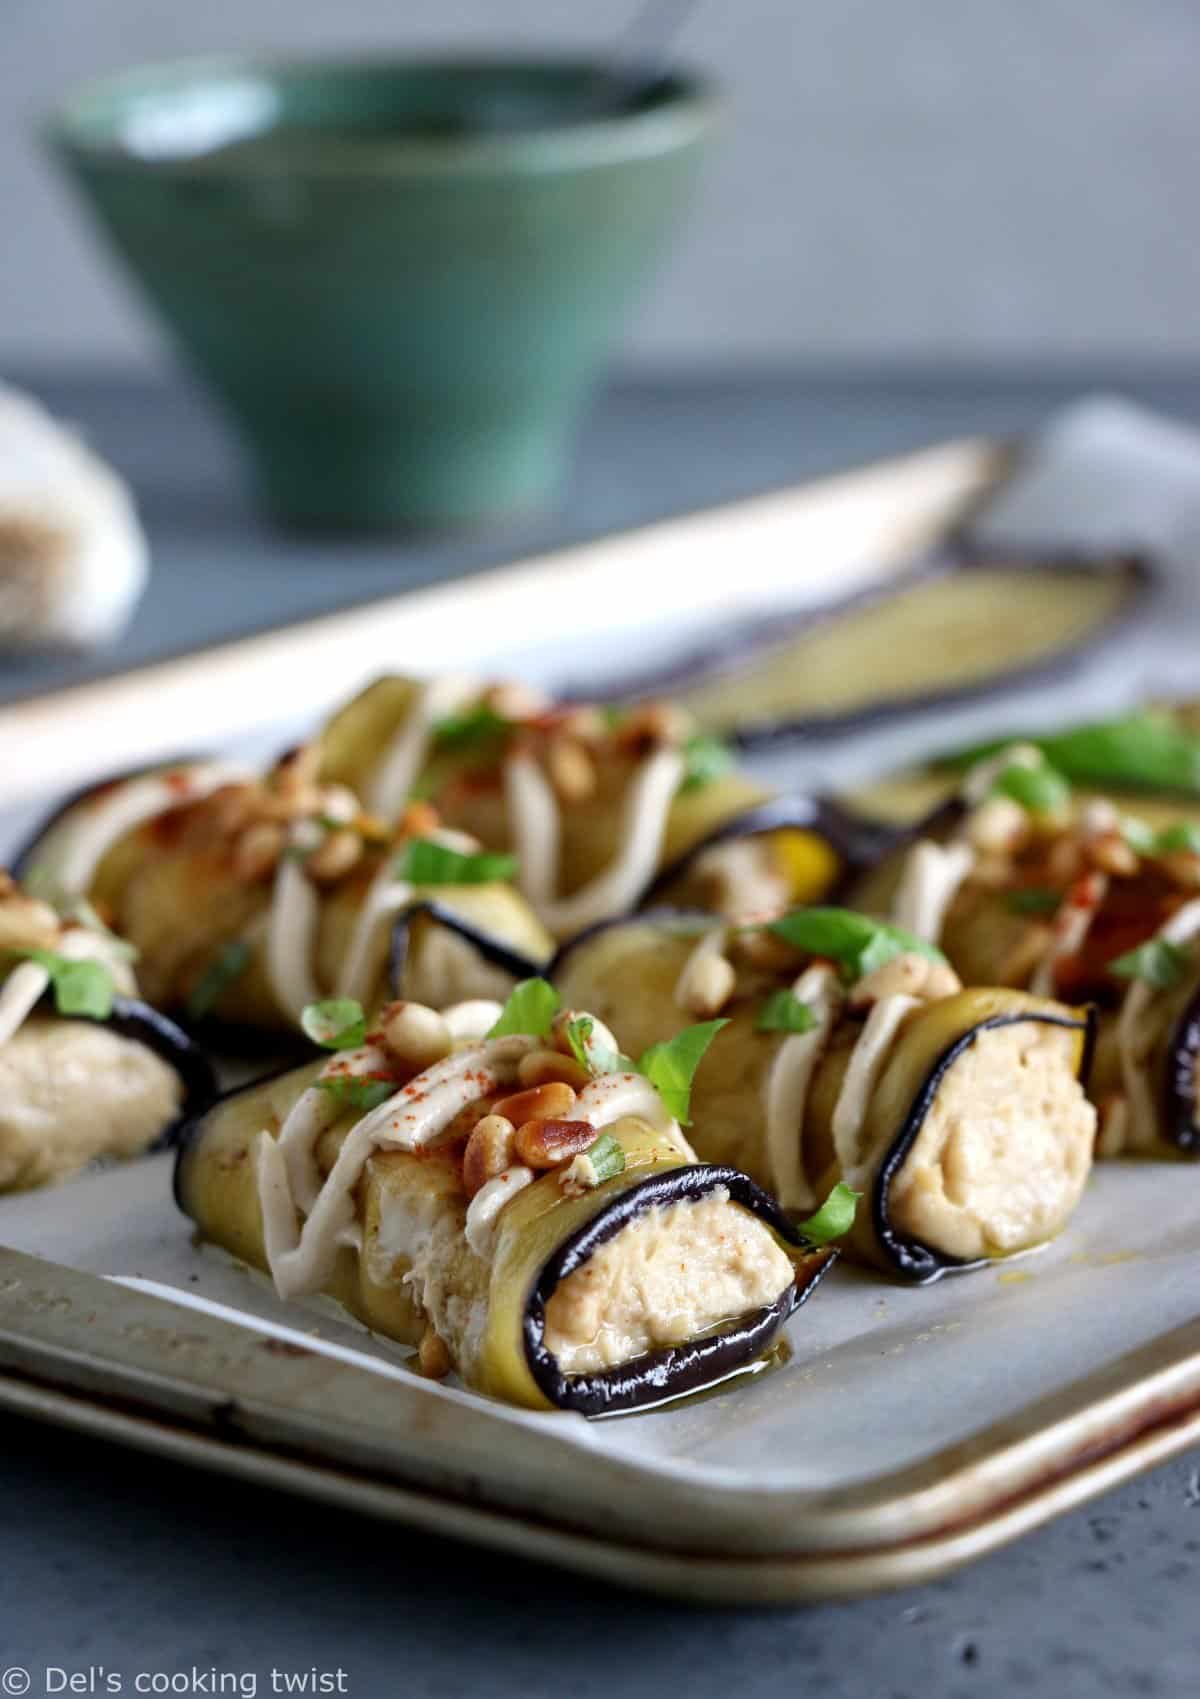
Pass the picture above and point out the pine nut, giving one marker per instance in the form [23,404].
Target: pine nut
[550,1102]
[541,1067]
[334,858]
[544,1144]
[572,770]
[706,985]
[998,824]
[904,976]
[940,981]
[416,1036]
[257,851]
[1111,854]
[433,1359]
[488,1152]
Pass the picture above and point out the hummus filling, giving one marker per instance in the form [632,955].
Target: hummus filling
[72,1091]
[1004,1151]
[669,1276]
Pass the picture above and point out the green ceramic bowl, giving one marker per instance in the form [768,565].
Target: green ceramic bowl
[402,279]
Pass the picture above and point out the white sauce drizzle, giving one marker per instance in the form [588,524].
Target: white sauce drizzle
[861,1077]
[405,756]
[929,882]
[787,1085]
[93,826]
[536,829]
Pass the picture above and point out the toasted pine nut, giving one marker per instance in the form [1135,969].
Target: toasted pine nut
[905,976]
[335,857]
[415,1035]
[1111,854]
[257,851]
[433,1359]
[586,724]
[488,1152]
[997,825]
[550,1102]
[544,1144]
[418,820]
[27,922]
[572,770]
[540,1067]
[940,981]
[338,802]
[706,985]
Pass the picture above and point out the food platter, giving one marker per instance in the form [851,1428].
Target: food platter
[907,1431]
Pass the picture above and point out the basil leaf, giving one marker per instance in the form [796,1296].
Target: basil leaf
[596,1058]
[706,758]
[217,977]
[355,1092]
[1033,900]
[1139,751]
[1039,790]
[427,863]
[784,1012]
[670,1067]
[1158,962]
[1183,835]
[531,1007]
[857,943]
[607,1157]
[80,987]
[336,1024]
[834,1218]
[474,726]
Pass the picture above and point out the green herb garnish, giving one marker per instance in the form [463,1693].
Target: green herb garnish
[671,1066]
[1039,790]
[355,1092]
[336,1024]
[1033,899]
[855,942]
[217,977]
[531,1007]
[607,1157]
[597,1059]
[81,987]
[425,862]
[1158,962]
[1183,835]
[474,726]
[784,1012]
[1139,751]
[834,1218]
[707,758]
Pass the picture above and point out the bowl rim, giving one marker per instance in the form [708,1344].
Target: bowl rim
[684,115]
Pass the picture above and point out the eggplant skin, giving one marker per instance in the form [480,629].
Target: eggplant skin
[916,1263]
[495,951]
[24,857]
[1180,1123]
[132,1018]
[680,1369]
[756,643]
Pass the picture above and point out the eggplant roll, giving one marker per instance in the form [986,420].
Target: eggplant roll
[601,807]
[959,1115]
[557,1248]
[247,898]
[1023,883]
[87,1070]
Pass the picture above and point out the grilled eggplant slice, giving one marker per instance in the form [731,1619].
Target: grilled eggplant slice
[87,1070]
[598,1282]
[1079,900]
[602,811]
[249,897]
[959,626]
[961,1114]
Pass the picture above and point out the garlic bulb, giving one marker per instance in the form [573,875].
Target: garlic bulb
[73,556]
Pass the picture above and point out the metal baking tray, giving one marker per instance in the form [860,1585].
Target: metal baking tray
[909,1431]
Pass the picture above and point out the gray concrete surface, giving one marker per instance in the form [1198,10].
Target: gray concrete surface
[116,1566]
[947,179]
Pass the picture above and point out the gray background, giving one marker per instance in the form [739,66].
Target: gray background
[942,180]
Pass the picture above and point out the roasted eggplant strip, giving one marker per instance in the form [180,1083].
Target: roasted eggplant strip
[957,628]
[960,1114]
[600,809]
[87,1069]
[1069,896]
[581,1260]
[249,897]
